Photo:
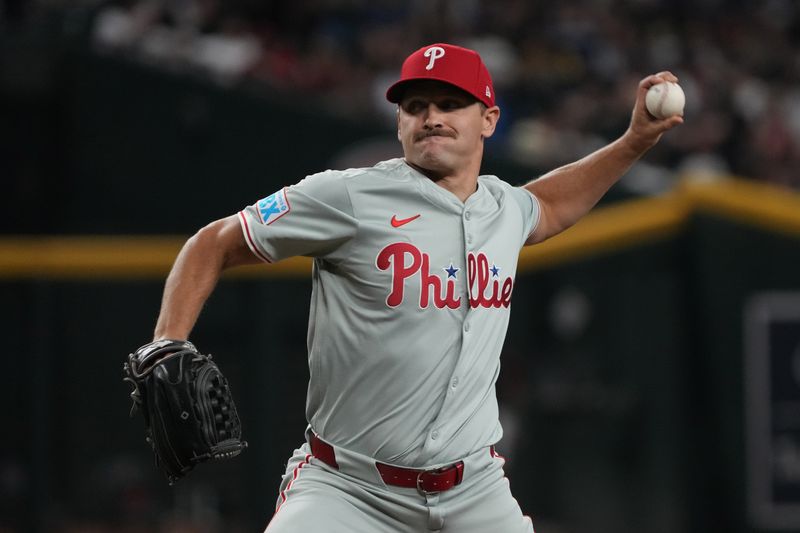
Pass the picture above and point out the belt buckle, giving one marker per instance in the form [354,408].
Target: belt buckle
[420,488]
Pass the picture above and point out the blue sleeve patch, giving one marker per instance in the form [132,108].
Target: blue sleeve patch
[273,207]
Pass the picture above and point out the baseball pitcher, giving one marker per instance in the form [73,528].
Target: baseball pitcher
[414,271]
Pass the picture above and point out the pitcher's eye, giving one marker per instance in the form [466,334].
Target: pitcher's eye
[414,106]
[451,104]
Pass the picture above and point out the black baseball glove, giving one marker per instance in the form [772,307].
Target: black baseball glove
[189,414]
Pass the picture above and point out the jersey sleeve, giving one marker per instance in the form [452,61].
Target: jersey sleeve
[313,218]
[529,205]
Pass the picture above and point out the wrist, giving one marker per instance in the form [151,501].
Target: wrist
[633,144]
[172,334]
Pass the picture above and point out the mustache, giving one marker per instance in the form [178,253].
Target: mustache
[433,133]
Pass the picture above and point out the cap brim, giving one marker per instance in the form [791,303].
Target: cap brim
[395,93]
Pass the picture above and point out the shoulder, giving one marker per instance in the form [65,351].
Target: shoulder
[503,192]
[392,169]
[514,199]
[501,189]
[341,189]
[493,182]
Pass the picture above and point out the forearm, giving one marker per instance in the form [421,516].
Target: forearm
[189,284]
[194,275]
[571,191]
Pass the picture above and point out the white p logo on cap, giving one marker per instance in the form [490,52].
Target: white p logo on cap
[434,52]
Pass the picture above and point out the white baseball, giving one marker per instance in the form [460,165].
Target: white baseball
[665,100]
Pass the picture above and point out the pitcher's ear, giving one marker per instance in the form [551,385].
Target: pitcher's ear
[490,118]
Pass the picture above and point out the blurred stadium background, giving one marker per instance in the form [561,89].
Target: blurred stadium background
[652,366]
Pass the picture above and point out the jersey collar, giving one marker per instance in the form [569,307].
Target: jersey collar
[439,195]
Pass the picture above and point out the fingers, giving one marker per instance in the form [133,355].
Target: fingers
[654,79]
[663,124]
[640,108]
[673,121]
[645,127]
[656,127]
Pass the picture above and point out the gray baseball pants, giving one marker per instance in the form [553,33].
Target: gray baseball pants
[314,496]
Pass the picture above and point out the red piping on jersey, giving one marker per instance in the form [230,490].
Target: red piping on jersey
[498,456]
[294,477]
[250,241]
[494,453]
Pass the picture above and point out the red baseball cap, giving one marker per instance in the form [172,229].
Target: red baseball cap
[448,63]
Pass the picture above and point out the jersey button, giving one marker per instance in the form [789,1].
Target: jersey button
[454,383]
[467,215]
[466,326]
[435,435]
[469,239]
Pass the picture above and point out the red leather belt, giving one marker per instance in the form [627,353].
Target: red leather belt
[425,481]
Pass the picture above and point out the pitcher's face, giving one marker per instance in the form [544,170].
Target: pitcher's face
[442,127]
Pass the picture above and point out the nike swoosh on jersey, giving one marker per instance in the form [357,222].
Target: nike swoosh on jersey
[402,222]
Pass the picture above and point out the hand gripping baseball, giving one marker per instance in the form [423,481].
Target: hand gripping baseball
[188,408]
[645,130]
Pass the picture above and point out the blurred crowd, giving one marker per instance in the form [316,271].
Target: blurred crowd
[565,72]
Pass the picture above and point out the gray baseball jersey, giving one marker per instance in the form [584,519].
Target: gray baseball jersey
[410,304]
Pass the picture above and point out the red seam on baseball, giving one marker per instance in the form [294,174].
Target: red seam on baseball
[661,100]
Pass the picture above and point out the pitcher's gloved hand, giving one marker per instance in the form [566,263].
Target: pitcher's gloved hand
[188,409]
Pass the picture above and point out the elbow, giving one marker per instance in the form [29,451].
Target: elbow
[208,244]
[223,244]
